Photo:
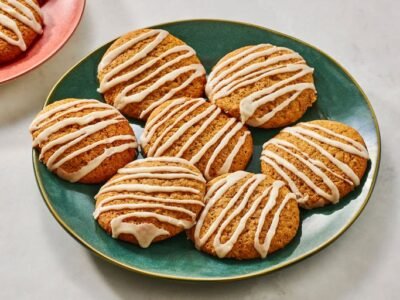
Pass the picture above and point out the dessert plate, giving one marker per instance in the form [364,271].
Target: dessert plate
[61,18]
[339,98]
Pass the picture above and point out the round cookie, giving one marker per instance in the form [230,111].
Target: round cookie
[321,161]
[150,200]
[198,131]
[146,67]
[263,85]
[83,140]
[20,24]
[246,216]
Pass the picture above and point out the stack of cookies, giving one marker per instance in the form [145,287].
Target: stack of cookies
[197,145]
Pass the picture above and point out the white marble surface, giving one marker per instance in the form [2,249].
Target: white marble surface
[38,260]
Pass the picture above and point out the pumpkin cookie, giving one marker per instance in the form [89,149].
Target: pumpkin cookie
[83,140]
[246,216]
[263,86]
[146,67]
[198,131]
[321,161]
[20,24]
[150,200]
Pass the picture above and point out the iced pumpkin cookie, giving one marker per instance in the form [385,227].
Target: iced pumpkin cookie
[151,200]
[147,67]
[83,140]
[263,86]
[321,161]
[20,24]
[198,131]
[246,216]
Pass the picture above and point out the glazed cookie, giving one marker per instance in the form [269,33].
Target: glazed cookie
[264,85]
[20,24]
[147,67]
[150,200]
[83,140]
[321,161]
[198,131]
[246,216]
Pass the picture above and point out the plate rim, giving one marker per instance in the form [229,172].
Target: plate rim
[54,52]
[282,265]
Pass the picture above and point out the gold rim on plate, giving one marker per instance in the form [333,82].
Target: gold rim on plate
[232,278]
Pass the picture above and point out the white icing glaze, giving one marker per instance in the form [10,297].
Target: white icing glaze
[222,144]
[213,141]
[229,160]
[184,128]
[44,121]
[264,247]
[24,13]
[146,198]
[355,147]
[155,169]
[223,136]
[146,232]
[153,124]
[240,201]
[156,151]
[316,166]
[218,87]
[125,96]
[146,188]
[164,159]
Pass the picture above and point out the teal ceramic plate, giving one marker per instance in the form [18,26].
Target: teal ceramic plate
[339,98]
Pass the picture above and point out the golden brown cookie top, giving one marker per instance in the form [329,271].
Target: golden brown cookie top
[150,200]
[263,85]
[146,67]
[77,137]
[320,160]
[246,216]
[19,18]
[200,132]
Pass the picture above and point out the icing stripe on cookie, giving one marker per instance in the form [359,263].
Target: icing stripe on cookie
[222,83]
[142,192]
[48,126]
[235,207]
[24,12]
[125,96]
[307,133]
[184,109]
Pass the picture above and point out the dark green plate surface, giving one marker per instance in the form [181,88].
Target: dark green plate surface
[339,98]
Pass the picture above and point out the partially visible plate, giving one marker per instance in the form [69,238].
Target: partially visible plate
[61,17]
[339,98]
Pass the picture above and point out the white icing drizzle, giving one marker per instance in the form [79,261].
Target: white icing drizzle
[44,120]
[173,172]
[218,87]
[156,151]
[222,144]
[242,196]
[316,166]
[146,232]
[125,96]
[228,162]
[223,136]
[24,13]
[146,188]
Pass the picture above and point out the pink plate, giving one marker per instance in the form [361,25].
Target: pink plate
[61,17]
